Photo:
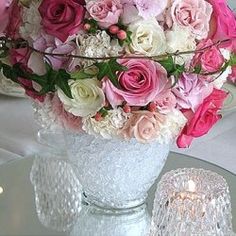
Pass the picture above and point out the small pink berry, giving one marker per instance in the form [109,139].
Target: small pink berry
[152,107]
[87,26]
[127,108]
[114,29]
[98,116]
[122,35]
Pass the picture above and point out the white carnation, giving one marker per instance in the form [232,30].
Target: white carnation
[180,39]
[88,97]
[147,38]
[172,126]
[96,45]
[220,78]
[108,127]
[31,26]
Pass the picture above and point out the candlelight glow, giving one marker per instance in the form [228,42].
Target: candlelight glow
[191,186]
[1,190]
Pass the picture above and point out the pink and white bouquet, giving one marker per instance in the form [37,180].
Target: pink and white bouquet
[144,69]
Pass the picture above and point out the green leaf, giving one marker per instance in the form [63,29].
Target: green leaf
[109,69]
[103,112]
[61,81]
[85,73]
[168,64]
[197,69]
[232,61]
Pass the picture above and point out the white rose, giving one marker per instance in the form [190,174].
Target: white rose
[147,37]
[180,39]
[108,127]
[174,123]
[88,97]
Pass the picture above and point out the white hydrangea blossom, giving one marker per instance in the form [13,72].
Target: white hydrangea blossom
[108,127]
[172,126]
[220,78]
[181,39]
[96,45]
[31,26]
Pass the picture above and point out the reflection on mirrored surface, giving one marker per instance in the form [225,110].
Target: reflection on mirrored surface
[57,193]
[96,222]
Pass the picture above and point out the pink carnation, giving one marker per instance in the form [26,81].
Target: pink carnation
[106,12]
[191,90]
[139,85]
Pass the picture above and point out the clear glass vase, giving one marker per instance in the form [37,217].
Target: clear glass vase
[115,174]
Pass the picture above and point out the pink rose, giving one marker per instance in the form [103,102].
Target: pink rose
[106,12]
[4,14]
[200,122]
[223,23]
[166,102]
[62,18]
[210,60]
[15,20]
[191,90]
[21,56]
[49,44]
[66,119]
[139,85]
[142,125]
[195,14]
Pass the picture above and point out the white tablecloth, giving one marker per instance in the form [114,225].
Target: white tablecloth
[18,131]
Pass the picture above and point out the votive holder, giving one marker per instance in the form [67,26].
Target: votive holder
[192,202]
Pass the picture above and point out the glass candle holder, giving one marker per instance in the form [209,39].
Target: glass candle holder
[192,202]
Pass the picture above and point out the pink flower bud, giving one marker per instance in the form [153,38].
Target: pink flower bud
[122,35]
[114,29]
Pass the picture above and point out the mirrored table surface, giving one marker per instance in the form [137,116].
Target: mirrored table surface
[18,214]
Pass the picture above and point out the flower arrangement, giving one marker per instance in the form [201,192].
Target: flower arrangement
[144,69]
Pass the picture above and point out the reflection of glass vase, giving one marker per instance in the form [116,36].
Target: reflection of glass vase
[57,193]
[94,222]
[115,174]
[49,132]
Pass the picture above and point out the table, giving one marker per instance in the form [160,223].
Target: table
[18,214]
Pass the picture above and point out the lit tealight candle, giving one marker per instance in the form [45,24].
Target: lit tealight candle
[1,190]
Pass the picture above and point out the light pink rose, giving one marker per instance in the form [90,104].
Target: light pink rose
[166,102]
[191,90]
[65,119]
[142,125]
[200,122]
[223,23]
[211,59]
[194,14]
[139,85]
[49,44]
[62,18]
[106,12]
[4,14]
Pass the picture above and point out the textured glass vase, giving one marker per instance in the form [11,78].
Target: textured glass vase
[115,174]
[58,193]
[191,202]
